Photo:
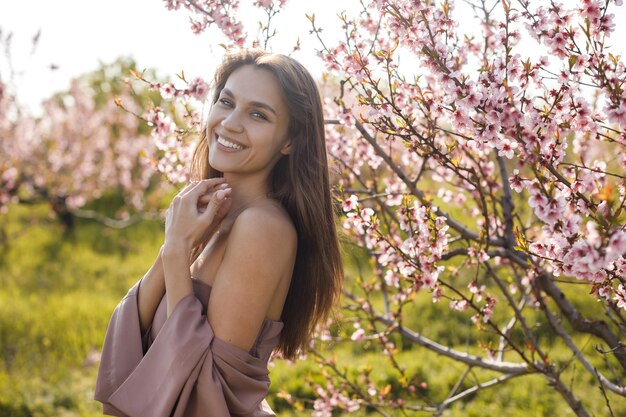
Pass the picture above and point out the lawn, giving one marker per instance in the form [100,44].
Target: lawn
[58,289]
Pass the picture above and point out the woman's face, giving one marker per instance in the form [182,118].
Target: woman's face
[247,126]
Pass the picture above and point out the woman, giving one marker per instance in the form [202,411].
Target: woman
[250,261]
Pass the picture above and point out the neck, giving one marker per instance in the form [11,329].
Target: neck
[246,191]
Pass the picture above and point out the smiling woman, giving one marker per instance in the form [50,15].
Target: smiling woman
[247,127]
[250,261]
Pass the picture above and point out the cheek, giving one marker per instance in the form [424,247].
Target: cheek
[216,115]
[275,143]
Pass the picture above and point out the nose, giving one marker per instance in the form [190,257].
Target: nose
[232,122]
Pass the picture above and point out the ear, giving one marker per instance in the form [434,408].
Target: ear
[286,149]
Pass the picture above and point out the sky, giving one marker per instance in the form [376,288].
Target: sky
[78,35]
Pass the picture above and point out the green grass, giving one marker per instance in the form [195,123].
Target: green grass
[57,292]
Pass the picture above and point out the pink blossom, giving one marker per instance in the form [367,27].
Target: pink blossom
[620,267]
[617,114]
[358,335]
[617,245]
[516,181]
[593,236]
[395,192]
[506,148]
[392,279]
[330,399]
[605,292]
[266,4]
[620,296]
[361,220]
[488,308]
[583,261]
[476,291]
[537,200]
[571,224]
[459,305]
[173,4]
[198,89]
[168,91]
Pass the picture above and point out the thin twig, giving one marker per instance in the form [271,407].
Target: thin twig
[114,223]
[558,328]
[453,223]
[454,389]
[469,359]
[477,387]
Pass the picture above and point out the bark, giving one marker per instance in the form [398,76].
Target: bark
[582,324]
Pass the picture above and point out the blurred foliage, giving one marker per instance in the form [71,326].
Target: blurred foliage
[57,292]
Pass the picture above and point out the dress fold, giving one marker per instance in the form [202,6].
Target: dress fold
[186,371]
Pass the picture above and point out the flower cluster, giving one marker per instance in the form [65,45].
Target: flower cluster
[222,14]
[469,167]
[330,399]
[173,132]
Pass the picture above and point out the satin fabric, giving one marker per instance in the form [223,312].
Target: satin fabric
[179,368]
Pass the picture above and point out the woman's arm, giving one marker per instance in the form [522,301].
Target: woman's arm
[151,290]
[177,275]
[186,226]
[173,259]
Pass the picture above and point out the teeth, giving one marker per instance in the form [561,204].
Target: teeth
[228,144]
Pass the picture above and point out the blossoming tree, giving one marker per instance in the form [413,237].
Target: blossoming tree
[484,170]
[481,169]
[81,148]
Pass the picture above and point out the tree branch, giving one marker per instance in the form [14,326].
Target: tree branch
[475,388]
[575,404]
[581,323]
[453,223]
[558,328]
[114,223]
[443,405]
[507,205]
[574,317]
[518,313]
[498,366]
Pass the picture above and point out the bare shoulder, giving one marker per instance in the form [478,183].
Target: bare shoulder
[259,256]
[260,249]
[264,224]
[254,275]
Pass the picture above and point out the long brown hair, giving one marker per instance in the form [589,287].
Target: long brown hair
[300,182]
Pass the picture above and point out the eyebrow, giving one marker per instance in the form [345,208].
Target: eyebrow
[258,104]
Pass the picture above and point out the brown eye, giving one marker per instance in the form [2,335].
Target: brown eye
[225,102]
[259,115]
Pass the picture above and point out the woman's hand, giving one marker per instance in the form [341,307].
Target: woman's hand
[196,212]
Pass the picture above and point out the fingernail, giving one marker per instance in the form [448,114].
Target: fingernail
[220,195]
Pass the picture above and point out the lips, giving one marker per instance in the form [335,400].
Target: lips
[228,143]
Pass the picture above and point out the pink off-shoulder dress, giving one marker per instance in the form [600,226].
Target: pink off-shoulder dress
[178,368]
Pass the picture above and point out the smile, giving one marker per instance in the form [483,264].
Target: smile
[228,144]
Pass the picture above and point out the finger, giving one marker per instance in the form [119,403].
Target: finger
[223,210]
[187,187]
[192,185]
[206,197]
[218,199]
[204,186]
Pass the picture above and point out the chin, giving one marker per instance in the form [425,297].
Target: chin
[214,159]
[215,164]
